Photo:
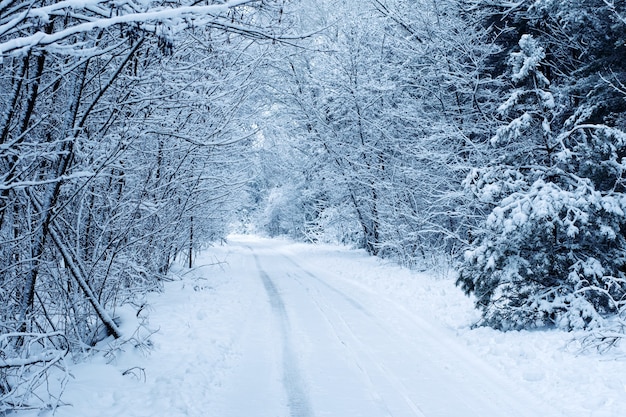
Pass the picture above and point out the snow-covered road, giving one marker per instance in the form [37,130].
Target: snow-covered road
[268,328]
[315,345]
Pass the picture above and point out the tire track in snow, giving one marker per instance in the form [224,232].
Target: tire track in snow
[344,296]
[297,399]
[447,370]
[361,354]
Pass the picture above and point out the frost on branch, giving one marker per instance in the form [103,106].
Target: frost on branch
[525,63]
[35,25]
[33,372]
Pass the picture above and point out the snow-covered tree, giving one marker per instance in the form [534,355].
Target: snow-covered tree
[552,249]
[123,134]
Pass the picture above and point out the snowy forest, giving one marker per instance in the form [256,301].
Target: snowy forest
[485,134]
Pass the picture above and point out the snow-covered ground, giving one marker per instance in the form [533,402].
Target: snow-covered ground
[271,328]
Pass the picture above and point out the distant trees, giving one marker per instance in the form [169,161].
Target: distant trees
[123,135]
[392,104]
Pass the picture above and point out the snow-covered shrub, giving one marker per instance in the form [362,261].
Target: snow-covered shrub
[549,255]
[29,370]
[551,251]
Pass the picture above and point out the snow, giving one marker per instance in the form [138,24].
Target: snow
[174,16]
[272,328]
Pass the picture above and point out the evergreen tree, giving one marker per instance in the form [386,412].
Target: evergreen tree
[552,250]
